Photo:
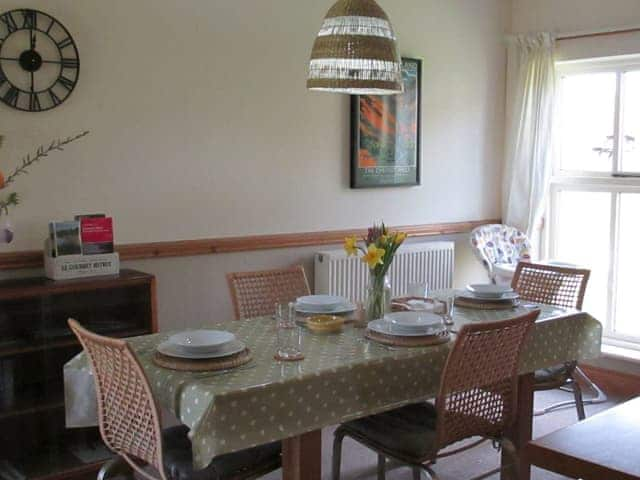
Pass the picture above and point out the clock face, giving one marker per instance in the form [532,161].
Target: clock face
[39,62]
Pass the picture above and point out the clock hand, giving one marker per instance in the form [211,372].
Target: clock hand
[32,83]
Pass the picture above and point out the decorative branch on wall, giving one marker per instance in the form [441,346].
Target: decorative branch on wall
[13,199]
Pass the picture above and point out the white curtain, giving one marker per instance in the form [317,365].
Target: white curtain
[531,86]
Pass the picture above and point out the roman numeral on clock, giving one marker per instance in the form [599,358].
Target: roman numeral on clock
[70,63]
[65,43]
[66,83]
[54,98]
[9,21]
[30,20]
[34,102]
[11,96]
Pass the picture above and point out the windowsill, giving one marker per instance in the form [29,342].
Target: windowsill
[621,353]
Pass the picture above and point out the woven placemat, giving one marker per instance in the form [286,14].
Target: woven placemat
[485,304]
[395,341]
[204,365]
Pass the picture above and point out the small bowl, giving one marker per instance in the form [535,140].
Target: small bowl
[325,323]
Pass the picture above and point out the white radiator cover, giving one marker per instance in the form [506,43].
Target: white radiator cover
[428,262]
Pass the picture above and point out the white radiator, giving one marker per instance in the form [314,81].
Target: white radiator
[430,262]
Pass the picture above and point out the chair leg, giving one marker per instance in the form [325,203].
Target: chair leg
[510,471]
[417,473]
[381,467]
[117,466]
[577,394]
[337,455]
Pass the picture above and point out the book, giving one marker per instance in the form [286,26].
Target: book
[96,233]
[65,238]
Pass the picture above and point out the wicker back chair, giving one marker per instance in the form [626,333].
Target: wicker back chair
[551,284]
[562,287]
[128,415]
[130,423]
[478,390]
[477,397]
[254,294]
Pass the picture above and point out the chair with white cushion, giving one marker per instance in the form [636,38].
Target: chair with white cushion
[500,248]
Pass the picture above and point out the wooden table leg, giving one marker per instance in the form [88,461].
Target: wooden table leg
[302,457]
[520,433]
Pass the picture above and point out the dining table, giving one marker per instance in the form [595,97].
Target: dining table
[343,376]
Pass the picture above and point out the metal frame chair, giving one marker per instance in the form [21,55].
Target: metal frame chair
[565,287]
[130,424]
[254,294]
[477,397]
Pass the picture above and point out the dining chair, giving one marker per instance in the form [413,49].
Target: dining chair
[254,294]
[565,287]
[130,426]
[500,248]
[477,397]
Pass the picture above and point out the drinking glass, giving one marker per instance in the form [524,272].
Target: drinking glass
[449,302]
[289,336]
[420,290]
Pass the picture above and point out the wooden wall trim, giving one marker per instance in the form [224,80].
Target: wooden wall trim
[187,248]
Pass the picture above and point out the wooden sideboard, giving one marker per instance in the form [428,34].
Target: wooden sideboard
[35,343]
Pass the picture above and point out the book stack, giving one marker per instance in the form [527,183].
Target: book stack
[81,247]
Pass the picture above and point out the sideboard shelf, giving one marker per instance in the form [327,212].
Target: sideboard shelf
[35,343]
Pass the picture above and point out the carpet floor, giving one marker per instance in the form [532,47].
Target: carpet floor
[359,463]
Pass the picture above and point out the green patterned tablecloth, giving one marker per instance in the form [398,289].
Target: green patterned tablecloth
[342,377]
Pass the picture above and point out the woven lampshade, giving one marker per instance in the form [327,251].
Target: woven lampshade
[355,51]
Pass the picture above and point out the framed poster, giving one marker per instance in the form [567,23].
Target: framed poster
[385,134]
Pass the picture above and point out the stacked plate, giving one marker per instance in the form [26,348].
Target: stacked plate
[201,344]
[324,304]
[408,324]
[487,296]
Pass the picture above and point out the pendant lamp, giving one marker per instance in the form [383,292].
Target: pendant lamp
[355,51]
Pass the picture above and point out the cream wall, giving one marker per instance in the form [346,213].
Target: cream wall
[202,127]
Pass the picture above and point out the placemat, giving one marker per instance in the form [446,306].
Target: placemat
[395,341]
[204,365]
[485,304]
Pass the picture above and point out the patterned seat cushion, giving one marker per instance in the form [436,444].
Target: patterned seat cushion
[500,244]
[410,430]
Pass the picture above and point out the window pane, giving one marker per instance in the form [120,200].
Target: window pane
[583,238]
[631,122]
[627,321]
[588,108]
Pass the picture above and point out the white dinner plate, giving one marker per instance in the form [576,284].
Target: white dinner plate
[321,302]
[388,328]
[169,349]
[201,341]
[422,323]
[473,296]
[489,290]
[422,306]
[344,308]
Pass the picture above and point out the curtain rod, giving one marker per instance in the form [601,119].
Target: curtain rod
[575,36]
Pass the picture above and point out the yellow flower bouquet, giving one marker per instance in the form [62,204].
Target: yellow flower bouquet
[377,250]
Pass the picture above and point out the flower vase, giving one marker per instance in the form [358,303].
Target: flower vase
[378,296]
[6,230]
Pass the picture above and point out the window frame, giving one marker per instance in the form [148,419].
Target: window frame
[615,181]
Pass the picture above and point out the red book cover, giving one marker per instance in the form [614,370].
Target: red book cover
[97,235]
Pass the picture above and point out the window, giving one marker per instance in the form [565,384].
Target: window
[595,188]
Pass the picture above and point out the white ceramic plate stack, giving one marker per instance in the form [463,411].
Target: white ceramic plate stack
[489,292]
[408,324]
[324,304]
[201,344]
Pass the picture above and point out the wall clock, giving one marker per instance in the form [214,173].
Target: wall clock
[39,61]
